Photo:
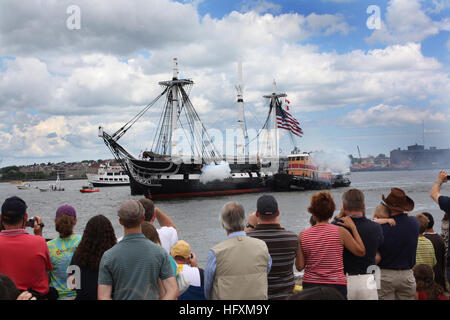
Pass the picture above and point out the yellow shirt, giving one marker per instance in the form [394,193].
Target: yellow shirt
[425,252]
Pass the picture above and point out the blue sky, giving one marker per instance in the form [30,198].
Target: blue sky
[348,85]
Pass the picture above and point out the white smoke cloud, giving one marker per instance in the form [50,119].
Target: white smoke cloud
[214,171]
[336,161]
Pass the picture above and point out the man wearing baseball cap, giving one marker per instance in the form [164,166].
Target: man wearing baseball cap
[24,257]
[282,244]
[130,270]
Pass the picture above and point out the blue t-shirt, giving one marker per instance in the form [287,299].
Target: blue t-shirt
[372,236]
[399,248]
[444,204]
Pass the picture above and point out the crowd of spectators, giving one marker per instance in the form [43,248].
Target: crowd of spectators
[396,255]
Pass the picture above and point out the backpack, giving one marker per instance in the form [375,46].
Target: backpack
[182,281]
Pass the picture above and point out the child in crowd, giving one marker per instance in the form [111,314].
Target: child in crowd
[426,288]
[425,250]
[381,215]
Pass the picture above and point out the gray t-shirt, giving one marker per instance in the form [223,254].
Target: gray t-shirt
[132,267]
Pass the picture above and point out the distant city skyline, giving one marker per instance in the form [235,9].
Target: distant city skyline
[373,74]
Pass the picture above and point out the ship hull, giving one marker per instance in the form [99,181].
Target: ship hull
[287,182]
[186,188]
[101,184]
[165,179]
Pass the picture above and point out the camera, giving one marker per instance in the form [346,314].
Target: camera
[30,222]
[448,178]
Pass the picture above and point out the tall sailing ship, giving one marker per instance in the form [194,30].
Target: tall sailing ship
[168,170]
[173,170]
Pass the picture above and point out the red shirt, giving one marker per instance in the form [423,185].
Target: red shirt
[25,259]
[323,250]
[423,296]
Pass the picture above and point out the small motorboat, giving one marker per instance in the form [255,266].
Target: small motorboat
[57,185]
[89,189]
[44,189]
[24,186]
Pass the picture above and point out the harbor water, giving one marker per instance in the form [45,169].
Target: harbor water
[197,219]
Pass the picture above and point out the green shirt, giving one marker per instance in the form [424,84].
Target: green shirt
[133,266]
[61,251]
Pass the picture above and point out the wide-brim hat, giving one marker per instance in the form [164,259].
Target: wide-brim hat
[398,200]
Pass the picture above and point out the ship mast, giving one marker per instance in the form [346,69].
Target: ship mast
[166,142]
[242,151]
[178,114]
[180,119]
[274,100]
[175,106]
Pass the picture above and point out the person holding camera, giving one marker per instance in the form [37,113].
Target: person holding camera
[444,205]
[187,264]
[24,258]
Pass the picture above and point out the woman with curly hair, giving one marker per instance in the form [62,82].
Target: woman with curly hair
[61,250]
[98,237]
[322,245]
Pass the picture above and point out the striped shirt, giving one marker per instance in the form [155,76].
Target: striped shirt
[425,252]
[283,247]
[323,250]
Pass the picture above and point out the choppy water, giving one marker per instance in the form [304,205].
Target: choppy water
[198,219]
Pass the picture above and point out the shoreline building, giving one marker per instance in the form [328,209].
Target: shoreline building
[417,157]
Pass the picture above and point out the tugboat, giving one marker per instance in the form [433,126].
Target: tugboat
[296,171]
[299,172]
[168,171]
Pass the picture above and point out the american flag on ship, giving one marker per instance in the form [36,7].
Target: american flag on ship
[286,121]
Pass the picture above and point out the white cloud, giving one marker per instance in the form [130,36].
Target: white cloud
[260,6]
[339,1]
[437,6]
[385,115]
[404,22]
[106,26]
[113,27]
[100,79]
[327,24]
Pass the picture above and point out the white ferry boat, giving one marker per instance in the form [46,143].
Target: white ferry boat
[109,176]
